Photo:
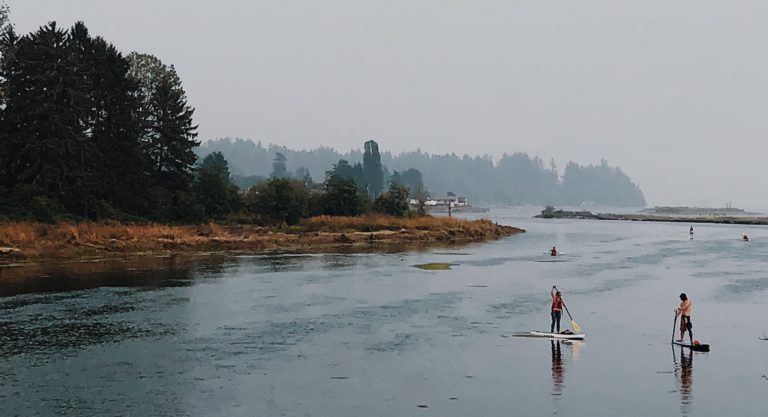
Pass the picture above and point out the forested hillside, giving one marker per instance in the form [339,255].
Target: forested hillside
[514,179]
[89,132]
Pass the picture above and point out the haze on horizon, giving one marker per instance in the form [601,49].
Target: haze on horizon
[674,93]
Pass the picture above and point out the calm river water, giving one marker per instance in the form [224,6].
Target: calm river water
[371,335]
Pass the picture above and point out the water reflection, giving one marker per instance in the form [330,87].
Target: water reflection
[684,375]
[50,323]
[558,371]
[61,277]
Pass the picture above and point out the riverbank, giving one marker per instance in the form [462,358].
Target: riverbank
[21,242]
[588,215]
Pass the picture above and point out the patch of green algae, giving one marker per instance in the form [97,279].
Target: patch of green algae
[434,266]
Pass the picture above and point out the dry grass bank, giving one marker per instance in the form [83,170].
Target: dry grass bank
[374,223]
[37,241]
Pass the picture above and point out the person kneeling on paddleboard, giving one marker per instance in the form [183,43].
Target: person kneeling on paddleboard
[684,311]
[557,309]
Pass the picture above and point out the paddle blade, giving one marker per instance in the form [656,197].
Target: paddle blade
[576,327]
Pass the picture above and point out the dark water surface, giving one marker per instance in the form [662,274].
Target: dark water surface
[371,335]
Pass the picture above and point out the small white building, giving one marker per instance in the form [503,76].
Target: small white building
[450,199]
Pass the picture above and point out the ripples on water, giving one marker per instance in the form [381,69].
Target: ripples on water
[368,334]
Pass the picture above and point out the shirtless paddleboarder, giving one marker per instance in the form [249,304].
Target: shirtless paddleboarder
[684,311]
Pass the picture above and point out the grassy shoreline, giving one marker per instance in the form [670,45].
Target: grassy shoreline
[33,242]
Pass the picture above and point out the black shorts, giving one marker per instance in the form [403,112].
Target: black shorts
[685,323]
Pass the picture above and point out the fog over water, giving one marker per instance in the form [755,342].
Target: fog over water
[370,334]
[672,92]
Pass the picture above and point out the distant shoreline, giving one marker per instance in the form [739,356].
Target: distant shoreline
[588,215]
[457,209]
[37,242]
[696,211]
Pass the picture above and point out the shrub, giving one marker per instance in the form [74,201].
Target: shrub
[342,197]
[279,200]
[394,202]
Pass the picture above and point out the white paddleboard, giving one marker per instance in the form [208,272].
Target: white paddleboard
[573,336]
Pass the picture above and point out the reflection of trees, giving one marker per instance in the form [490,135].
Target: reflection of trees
[146,271]
[558,372]
[684,374]
[51,313]
[122,346]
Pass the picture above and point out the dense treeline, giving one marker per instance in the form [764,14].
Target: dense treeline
[515,179]
[89,133]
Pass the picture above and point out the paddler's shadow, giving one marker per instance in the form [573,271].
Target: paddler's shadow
[558,371]
[684,375]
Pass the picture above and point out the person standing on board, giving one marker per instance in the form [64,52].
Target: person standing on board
[691,233]
[557,309]
[684,311]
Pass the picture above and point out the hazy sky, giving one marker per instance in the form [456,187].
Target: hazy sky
[673,92]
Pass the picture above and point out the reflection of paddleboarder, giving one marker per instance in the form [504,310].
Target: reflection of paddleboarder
[684,373]
[558,372]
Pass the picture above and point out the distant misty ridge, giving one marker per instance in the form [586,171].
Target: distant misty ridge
[515,179]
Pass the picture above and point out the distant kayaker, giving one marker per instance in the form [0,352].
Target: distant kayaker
[553,252]
[744,237]
[557,309]
[684,311]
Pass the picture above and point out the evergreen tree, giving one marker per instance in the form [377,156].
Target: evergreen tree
[373,174]
[5,21]
[353,172]
[45,133]
[412,179]
[302,174]
[279,167]
[8,39]
[394,202]
[8,71]
[112,122]
[342,197]
[279,200]
[169,133]
[171,145]
[167,138]
[216,192]
[395,178]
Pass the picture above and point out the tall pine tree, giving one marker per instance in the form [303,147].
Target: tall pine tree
[113,124]
[213,186]
[373,173]
[168,137]
[8,68]
[44,129]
